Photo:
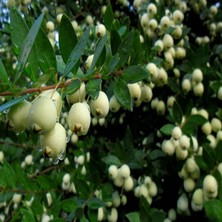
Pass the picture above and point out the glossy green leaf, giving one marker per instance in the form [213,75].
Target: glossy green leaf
[108,17]
[73,87]
[111,66]
[8,176]
[144,210]
[192,122]
[45,54]
[99,48]
[115,41]
[122,94]
[27,46]
[136,56]
[167,129]
[95,203]
[76,53]
[27,215]
[111,160]
[157,215]
[18,29]
[201,163]
[133,74]
[69,205]
[177,113]
[125,49]
[133,217]
[93,87]
[67,37]
[3,74]
[208,156]
[218,155]
[213,210]
[12,102]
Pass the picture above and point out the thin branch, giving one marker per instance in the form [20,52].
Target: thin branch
[17,144]
[43,88]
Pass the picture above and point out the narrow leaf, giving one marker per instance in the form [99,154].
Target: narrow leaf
[12,102]
[95,203]
[27,46]
[110,67]
[108,17]
[177,113]
[67,37]
[167,129]
[98,51]
[115,41]
[133,217]
[213,209]
[18,29]
[111,160]
[45,54]
[122,94]
[133,74]
[69,205]
[93,87]
[74,86]
[125,48]
[192,123]
[77,52]
[3,74]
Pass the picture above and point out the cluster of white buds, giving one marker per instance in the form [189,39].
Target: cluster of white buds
[121,176]
[147,188]
[80,162]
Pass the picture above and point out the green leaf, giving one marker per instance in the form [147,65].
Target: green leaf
[133,217]
[213,210]
[133,74]
[76,53]
[18,29]
[173,84]
[125,48]
[136,56]
[93,87]
[8,176]
[110,67]
[12,102]
[115,41]
[201,163]
[70,205]
[95,203]
[167,129]
[144,210]
[191,124]
[122,94]
[45,54]
[3,74]
[218,155]
[157,215]
[98,51]
[111,160]
[74,86]
[60,64]
[208,156]
[67,37]
[108,17]
[107,190]
[45,182]
[177,113]
[27,46]
[27,215]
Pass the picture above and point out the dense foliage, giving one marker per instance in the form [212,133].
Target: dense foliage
[110,110]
